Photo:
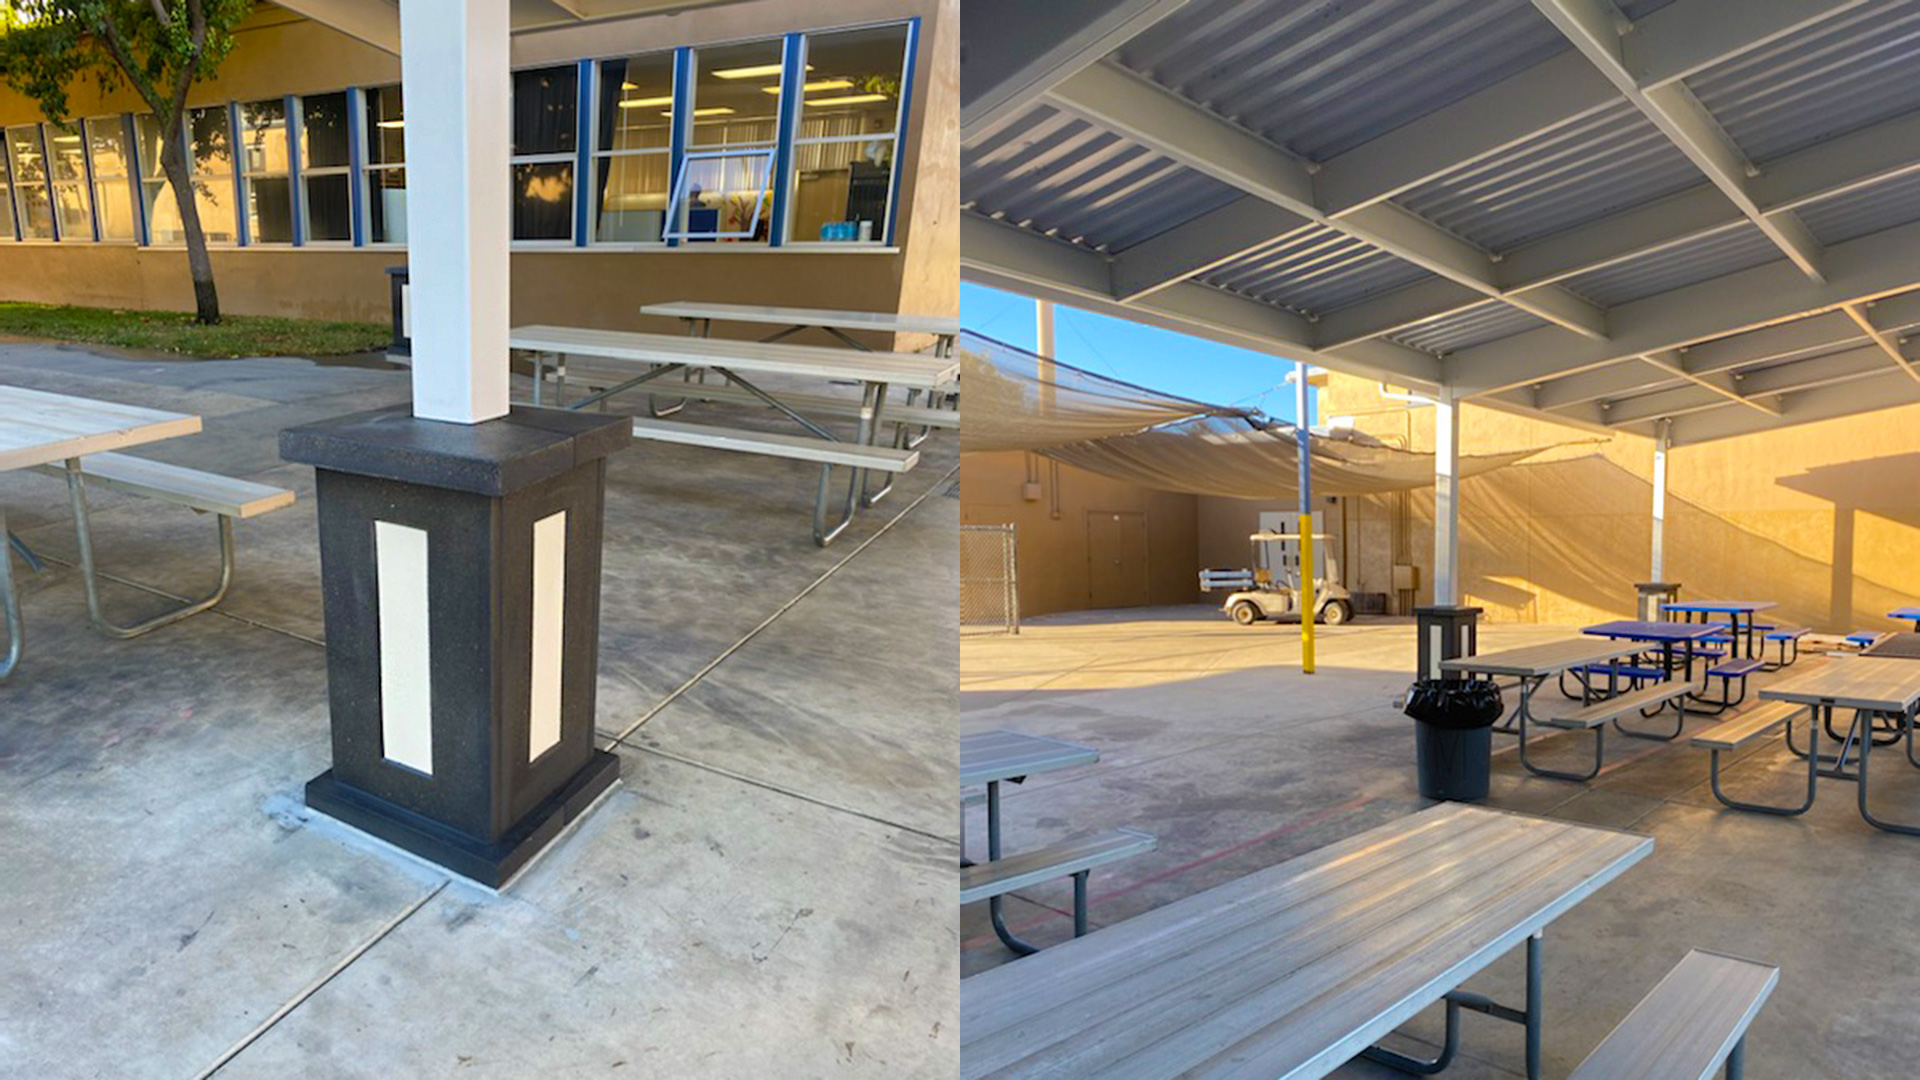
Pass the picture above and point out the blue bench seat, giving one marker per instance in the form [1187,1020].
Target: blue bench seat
[1787,633]
[1733,669]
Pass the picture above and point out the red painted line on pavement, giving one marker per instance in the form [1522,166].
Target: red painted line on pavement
[1273,834]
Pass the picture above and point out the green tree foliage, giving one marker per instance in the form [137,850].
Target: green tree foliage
[157,47]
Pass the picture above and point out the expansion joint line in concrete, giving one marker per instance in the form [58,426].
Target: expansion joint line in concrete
[325,977]
[728,652]
[789,792]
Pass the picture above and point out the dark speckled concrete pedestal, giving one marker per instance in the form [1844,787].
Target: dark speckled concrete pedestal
[476,491]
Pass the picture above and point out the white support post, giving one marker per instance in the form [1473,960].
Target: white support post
[1662,445]
[1446,498]
[454,71]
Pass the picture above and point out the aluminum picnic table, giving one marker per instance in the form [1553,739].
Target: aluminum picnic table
[995,757]
[1885,688]
[40,428]
[699,316]
[1295,970]
[1534,664]
[1734,610]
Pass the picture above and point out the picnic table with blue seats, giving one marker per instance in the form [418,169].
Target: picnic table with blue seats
[1737,616]
[1911,614]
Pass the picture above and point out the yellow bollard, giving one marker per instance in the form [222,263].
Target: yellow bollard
[1306,594]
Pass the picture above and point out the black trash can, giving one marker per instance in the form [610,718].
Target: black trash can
[1453,737]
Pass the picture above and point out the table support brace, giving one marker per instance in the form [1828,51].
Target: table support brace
[83,536]
[994,913]
[1529,1018]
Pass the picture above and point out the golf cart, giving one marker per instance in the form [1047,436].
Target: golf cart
[1258,594]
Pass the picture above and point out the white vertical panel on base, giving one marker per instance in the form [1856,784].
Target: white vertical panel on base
[406,697]
[549,625]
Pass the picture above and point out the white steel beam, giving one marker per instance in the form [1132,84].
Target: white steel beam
[1194,247]
[1662,445]
[1152,116]
[1718,382]
[1861,269]
[1881,339]
[1009,258]
[1688,37]
[1886,390]
[1446,498]
[1874,154]
[1594,27]
[1013,51]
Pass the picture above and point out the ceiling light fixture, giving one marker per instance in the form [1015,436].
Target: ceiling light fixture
[759,71]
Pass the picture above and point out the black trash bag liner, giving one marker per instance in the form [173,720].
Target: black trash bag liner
[1455,704]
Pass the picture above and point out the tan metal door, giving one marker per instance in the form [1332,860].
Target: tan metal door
[1117,558]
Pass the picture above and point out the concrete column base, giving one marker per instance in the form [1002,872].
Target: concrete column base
[1446,631]
[461,570]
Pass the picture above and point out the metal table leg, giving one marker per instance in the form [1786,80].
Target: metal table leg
[1000,930]
[1866,753]
[1813,775]
[83,536]
[1529,1018]
[1599,757]
[1521,712]
[10,601]
[870,436]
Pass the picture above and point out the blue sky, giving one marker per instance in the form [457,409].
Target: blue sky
[1144,355]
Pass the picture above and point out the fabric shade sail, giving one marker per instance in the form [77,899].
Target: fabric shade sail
[1016,400]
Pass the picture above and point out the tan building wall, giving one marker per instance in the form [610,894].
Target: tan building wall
[281,53]
[1823,518]
[1068,540]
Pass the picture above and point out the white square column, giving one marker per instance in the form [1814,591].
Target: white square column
[454,67]
[1662,445]
[1446,498]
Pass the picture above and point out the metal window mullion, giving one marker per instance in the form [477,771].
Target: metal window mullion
[130,132]
[585,127]
[357,173]
[793,78]
[677,137]
[900,129]
[296,194]
[242,232]
[86,172]
[13,188]
[46,172]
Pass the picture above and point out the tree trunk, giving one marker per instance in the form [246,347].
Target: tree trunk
[206,301]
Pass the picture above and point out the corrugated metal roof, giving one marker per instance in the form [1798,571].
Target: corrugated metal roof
[1870,209]
[1838,76]
[1057,174]
[1602,164]
[1321,77]
[1718,254]
[1468,327]
[1314,270]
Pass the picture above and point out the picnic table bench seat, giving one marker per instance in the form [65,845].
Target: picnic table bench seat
[199,491]
[1788,639]
[1744,727]
[1075,857]
[1593,716]
[1613,708]
[1689,1026]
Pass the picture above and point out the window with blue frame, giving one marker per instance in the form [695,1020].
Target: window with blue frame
[112,190]
[266,165]
[546,106]
[386,171]
[209,169]
[326,169]
[33,203]
[725,194]
[633,155]
[67,168]
[821,153]
[848,137]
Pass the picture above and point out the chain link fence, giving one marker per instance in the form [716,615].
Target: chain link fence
[989,594]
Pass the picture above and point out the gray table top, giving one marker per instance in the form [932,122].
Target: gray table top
[1879,684]
[1291,971]
[1549,658]
[1003,755]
